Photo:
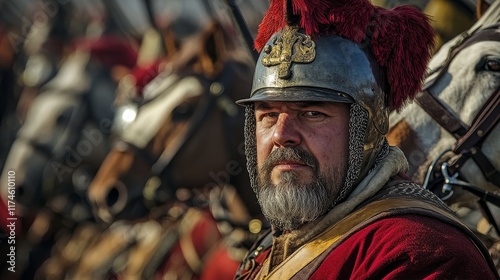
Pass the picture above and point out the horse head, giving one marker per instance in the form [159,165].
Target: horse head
[187,132]
[463,131]
[64,137]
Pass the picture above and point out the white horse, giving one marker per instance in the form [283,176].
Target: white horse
[63,139]
[464,76]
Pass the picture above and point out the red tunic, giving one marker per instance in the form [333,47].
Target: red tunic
[405,247]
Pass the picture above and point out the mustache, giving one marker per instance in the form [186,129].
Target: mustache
[289,154]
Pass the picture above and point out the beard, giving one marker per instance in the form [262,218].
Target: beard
[289,204]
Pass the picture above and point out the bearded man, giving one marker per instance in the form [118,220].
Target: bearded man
[333,190]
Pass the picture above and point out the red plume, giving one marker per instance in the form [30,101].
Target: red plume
[110,50]
[400,38]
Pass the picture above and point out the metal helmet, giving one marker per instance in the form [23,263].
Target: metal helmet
[349,60]
[293,67]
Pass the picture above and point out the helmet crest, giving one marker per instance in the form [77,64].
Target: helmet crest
[396,37]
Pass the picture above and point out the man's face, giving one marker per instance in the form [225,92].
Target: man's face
[302,152]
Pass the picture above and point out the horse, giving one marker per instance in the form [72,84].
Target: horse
[59,147]
[450,133]
[168,137]
[65,135]
[173,191]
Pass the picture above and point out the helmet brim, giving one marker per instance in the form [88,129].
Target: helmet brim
[296,94]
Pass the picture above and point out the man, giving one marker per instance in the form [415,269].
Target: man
[333,190]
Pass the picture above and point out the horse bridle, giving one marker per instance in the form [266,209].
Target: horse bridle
[469,139]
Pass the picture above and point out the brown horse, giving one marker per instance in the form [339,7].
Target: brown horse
[187,132]
[175,186]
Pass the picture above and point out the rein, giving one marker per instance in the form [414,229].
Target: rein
[469,139]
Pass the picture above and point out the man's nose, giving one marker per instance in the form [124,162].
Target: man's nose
[286,131]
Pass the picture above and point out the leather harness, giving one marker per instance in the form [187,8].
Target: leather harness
[469,139]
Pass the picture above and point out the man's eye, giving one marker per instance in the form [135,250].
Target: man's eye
[270,115]
[267,119]
[313,114]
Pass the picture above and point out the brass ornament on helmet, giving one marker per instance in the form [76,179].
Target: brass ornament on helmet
[291,47]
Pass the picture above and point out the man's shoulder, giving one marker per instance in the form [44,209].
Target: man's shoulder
[410,245]
[401,233]
[413,222]
[413,230]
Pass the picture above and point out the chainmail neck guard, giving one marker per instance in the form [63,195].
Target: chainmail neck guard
[358,125]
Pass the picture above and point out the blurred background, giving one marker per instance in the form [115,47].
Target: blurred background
[78,80]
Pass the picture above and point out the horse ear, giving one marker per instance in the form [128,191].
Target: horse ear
[481,7]
[171,42]
[212,56]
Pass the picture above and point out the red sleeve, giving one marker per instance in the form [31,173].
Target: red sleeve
[220,265]
[406,247]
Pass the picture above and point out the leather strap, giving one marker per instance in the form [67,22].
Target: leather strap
[444,117]
[482,125]
[357,220]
